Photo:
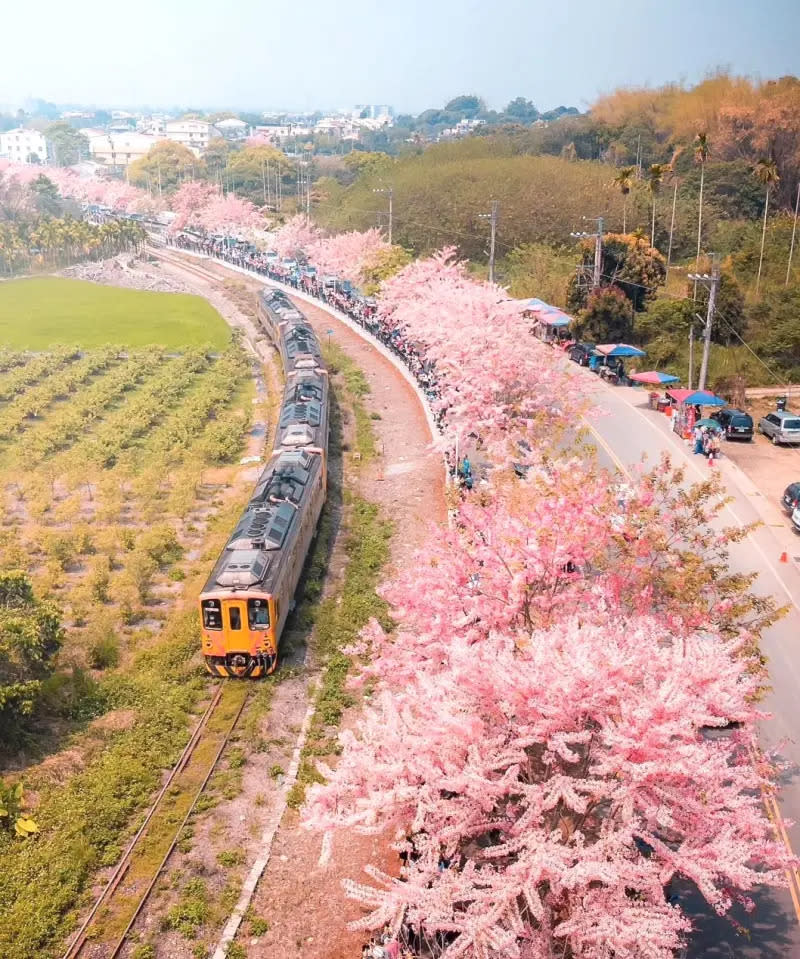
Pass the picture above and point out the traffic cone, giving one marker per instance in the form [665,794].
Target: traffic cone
[710,459]
[784,558]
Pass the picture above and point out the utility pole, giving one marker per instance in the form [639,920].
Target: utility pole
[389,191]
[691,354]
[597,271]
[712,282]
[492,218]
[598,253]
[264,180]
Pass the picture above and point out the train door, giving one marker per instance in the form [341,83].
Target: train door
[234,624]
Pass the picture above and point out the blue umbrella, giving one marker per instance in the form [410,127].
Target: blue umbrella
[702,398]
[654,377]
[619,349]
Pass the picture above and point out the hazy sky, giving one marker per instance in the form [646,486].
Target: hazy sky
[412,54]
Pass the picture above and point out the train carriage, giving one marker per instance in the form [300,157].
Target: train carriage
[249,594]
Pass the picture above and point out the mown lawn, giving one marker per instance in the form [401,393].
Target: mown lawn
[40,312]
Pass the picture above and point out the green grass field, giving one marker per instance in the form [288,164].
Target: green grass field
[41,312]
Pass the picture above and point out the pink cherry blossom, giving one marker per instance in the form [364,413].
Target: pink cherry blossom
[346,254]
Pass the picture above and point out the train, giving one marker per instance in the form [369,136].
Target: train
[250,592]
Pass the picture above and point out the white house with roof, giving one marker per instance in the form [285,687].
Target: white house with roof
[120,149]
[233,128]
[21,146]
[194,134]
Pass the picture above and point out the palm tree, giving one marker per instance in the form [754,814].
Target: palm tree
[701,151]
[655,175]
[766,172]
[624,180]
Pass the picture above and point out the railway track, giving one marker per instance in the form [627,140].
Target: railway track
[105,929]
[184,264]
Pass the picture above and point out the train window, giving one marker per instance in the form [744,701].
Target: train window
[212,614]
[257,614]
[235,617]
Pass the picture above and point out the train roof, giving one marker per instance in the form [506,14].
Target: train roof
[253,554]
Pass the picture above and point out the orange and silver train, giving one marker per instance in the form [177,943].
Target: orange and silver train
[250,592]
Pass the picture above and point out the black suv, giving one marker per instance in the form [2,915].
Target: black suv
[581,352]
[791,498]
[736,424]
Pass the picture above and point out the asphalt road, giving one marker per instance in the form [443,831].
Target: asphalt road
[628,432]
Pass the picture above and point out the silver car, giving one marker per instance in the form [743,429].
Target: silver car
[781,426]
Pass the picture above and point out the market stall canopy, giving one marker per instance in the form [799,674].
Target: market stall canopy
[709,423]
[556,319]
[696,398]
[618,349]
[653,376]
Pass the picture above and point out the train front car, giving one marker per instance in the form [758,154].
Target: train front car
[249,594]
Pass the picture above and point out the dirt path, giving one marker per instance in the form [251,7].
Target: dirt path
[299,901]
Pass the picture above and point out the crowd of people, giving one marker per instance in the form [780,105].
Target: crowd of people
[333,291]
[707,441]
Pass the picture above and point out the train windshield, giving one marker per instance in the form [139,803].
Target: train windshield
[212,614]
[257,614]
[235,617]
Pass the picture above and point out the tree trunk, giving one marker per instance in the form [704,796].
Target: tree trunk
[763,237]
[699,226]
[653,227]
[672,225]
[625,214]
[700,217]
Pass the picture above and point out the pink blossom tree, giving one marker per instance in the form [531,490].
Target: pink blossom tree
[189,201]
[346,254]
[545,789]
[229,214]
[295,237]
[497,380]
[537,739]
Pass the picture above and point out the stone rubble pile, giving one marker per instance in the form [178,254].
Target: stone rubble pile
[125,271]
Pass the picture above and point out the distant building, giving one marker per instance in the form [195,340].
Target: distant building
[120,149]
[463,128]
[278,132]
[343,128]
[156,125]
[21,145]
[374,111]
[194,134]
[233,129]
[78,118]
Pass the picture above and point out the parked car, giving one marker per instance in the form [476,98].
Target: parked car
[736,424]
[791,498]
[580,353]
[781,426]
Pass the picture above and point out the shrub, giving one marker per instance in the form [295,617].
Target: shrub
[192,912]
[99,578]
[230,857]
[104,651]
[30,636]
[161,544]
[73,695]
[259,926]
